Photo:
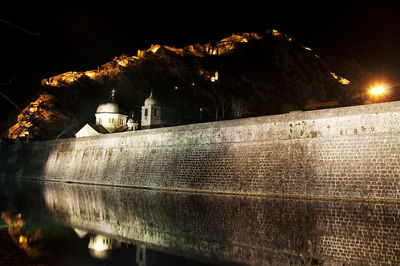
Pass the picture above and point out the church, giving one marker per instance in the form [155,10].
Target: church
[109,118]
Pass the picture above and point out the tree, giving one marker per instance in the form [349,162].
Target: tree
[221,106]
[239,107]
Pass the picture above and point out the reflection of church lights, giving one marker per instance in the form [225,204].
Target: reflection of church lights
[98,246]
[22,239]
[215,77]
[80,233]
[100,243]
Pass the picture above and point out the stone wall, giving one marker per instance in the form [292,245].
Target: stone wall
[350,152]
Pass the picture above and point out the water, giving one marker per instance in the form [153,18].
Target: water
[56,244]
[100,225]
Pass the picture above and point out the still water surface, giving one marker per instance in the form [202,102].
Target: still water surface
[69,224]
[46,243]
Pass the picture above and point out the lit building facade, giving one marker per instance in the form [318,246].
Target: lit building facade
[151,113]
[108,115]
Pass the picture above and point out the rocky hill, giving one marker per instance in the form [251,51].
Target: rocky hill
[247,74]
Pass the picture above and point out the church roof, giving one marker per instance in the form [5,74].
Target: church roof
[91,130]
[110,107]
[107,108]
[121,129]
[151,100]
[99,128]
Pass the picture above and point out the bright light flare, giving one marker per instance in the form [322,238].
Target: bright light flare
[377,90]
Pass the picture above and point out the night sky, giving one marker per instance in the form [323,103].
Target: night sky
[53,39]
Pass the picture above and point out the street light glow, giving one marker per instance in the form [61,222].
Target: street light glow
[377,90]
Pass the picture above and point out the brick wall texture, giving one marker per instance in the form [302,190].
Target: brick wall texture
[350,152]
[224,229]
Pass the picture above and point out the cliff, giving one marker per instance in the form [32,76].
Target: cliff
[247,74]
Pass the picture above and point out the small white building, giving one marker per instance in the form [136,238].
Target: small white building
[91,130]
[151,113]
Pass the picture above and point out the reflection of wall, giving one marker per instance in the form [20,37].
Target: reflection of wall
[342,152]
[246,230]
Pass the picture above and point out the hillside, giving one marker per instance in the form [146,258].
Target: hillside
[247,74]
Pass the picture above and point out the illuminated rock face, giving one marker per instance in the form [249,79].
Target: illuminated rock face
[267,71]
[115,66]
[41,109]
[347,152]
[225,228]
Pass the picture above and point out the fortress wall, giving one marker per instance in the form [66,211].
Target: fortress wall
[350,152]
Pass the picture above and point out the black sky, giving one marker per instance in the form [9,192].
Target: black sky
[81,36]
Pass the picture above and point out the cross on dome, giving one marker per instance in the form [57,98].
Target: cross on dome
[113,95]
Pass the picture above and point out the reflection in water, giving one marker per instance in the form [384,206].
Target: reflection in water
[141,256]
[80,233]
[221,228]
[99,245]
[60,245]
[26,238]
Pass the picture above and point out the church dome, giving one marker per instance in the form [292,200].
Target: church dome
[107,108]
[110,107]
[151,100]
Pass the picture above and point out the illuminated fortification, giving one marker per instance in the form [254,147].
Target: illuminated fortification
[114,67]
[46,114]
[349,152]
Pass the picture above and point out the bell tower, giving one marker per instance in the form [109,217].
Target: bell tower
[151,113]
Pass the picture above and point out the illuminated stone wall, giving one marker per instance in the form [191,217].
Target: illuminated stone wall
[225,228]
[341,152]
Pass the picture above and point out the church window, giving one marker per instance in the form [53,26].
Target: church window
[145,112]
[155,112]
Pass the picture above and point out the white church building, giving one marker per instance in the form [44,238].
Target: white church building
[109,119]
[151,113]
